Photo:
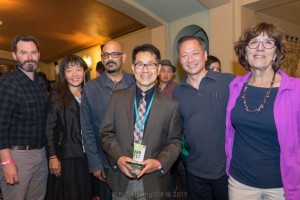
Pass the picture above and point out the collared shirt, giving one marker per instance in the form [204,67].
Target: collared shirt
[148,97]
[22,105]
[96,94]
[168,90]
[203,112]
[115,85]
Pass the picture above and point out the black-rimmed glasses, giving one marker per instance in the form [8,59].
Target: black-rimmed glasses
[141,66]
[112,54]
[267,44]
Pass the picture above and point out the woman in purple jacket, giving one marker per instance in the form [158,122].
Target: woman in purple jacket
[263,121]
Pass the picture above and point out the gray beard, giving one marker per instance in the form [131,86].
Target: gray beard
[28,67]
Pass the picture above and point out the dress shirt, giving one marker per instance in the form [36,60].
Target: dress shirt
[22,109]
[148,97]
[203,112]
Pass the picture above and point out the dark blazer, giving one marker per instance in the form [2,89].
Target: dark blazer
[63,131]
[162,138]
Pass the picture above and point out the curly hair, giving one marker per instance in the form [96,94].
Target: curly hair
[271,31]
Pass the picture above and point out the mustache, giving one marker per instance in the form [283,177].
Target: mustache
[111,62]
[30,61]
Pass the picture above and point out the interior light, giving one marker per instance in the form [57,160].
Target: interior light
[88,60]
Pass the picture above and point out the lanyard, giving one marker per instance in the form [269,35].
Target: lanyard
[137,119]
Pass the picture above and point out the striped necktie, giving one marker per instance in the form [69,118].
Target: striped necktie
[139,126]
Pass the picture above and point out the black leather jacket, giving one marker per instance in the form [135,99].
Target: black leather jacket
[63,130]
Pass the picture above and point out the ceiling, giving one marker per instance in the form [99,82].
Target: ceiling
[62,26]
[286,10]
[68,26]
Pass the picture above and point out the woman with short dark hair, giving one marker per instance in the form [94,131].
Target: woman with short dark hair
[263,121]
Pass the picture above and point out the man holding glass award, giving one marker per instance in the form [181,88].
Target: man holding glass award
[141,133]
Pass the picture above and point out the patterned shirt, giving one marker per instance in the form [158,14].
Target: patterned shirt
[22,105]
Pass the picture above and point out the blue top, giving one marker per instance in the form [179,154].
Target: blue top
[287,119]
[203,113]
[256,152]
[95,96]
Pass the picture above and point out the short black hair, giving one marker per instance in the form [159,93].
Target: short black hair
[211,59]
[146,48]
[100,67]
[191,37]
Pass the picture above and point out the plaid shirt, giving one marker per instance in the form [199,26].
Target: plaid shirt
[22,105]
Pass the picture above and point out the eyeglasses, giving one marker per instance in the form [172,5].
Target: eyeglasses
[267,44]
[112,54]
[141,66]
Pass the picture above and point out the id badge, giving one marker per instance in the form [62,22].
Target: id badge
[139,152]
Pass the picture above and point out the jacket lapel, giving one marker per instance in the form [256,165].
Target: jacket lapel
[130,109]
[153,115]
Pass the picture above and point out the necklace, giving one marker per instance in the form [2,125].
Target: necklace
[267,95]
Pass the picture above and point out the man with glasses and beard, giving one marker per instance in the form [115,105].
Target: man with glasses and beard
[95,97]
[22,154]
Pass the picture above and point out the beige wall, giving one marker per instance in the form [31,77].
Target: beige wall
[222,26]
[159,39]
[249,18]
[47,69]
[5,54]
[132,40]
[288,28]
[228,22]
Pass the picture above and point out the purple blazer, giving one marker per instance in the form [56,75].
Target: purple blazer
[287,120]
